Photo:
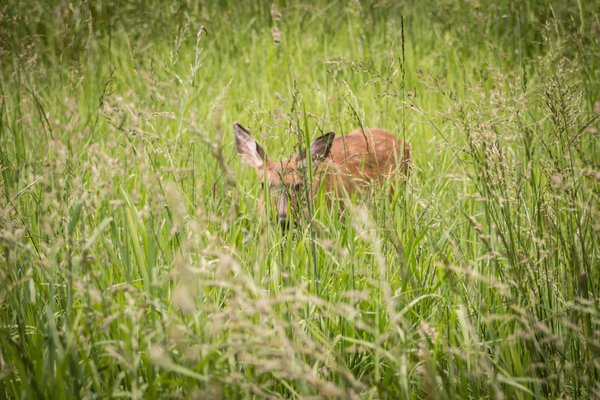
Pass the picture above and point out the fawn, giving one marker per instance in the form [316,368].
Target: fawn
[344,163]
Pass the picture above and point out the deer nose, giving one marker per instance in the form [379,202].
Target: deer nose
[284,222]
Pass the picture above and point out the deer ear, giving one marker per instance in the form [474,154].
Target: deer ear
[250,151]
[321,147]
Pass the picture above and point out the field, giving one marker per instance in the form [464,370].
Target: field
[137,260]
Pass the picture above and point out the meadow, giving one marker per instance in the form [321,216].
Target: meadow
[137,261]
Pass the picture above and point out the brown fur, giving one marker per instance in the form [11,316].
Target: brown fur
[347,161]
[366,157]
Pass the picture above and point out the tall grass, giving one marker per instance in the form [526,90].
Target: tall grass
[137,262]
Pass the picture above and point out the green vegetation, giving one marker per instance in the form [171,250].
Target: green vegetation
[136,261]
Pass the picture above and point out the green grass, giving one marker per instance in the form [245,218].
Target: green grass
[137,262]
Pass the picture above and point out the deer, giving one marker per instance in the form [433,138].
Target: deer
[343,164]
